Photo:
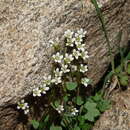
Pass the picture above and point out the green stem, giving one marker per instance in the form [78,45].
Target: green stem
[78,77]
[120,50]
[99,13]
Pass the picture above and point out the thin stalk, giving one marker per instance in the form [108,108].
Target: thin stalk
[120,50]
[100,16]
[78,81]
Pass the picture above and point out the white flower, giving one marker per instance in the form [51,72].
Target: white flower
[68,58]
[44,88]
[57,57]
[78,38]
[57,80]
[68,34]
[20,104]
[100,5]
[85,81]
[26,111]
[70,42]
[81,32]
[58,73]
[65,69]
[36,92]
[76,54]
[18,107]
[60,108]
[80,47]
[22,101]
[52,43]
[24,106]
[84,55]
[47,80]
[83,68]
[74,67]
[74,111]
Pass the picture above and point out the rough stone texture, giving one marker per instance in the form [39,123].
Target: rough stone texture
[118,117]
[8,118]
[27,26]
[128,12]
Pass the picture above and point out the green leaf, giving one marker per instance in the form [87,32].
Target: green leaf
[81,109]
[66,98]
[57,103]
[35,124]
[52,104]
[128,68]
[55,127]
[81,120]
[124,80]
[76,128]
[42,125]
[90,105]
[118,69]
[103,105]
[44,122]
[79,101]
[47,118]
[90,116]
[66,120]
[97,97]
[71,85]
[86,126]
[92,111]
[63,123]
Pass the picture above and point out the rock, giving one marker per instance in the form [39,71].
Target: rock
[118,117]
[8,118]
[128,16]
[27,26]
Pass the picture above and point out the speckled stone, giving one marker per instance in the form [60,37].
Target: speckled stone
[118,117]
[26,26]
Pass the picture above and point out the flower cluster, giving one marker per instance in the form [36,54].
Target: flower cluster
[38,91]
[24,106]
[65,62]
[77,40]
[72,40]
